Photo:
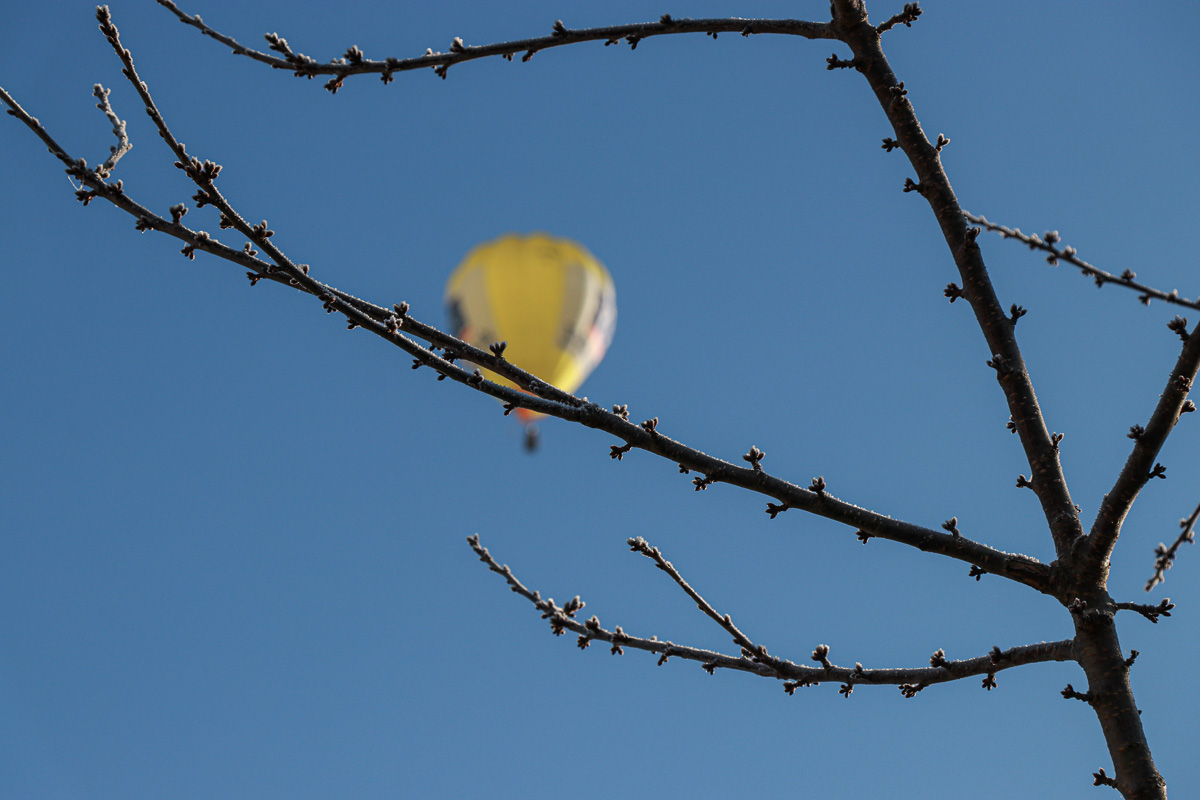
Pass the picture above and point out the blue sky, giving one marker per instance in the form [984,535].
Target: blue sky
[234,559]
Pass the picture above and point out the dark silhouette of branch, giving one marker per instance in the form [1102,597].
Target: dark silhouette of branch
[1164,556]
[355,63]
[1076,579]
[1049,243]
[933,184]
[1097,643]
[393,324]
[755,659]
[1140,467]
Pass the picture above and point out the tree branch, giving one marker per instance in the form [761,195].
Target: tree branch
[355,63]
[545,398]
[1140,467]
[1164,556]
[1042,453]
[756,660]
[1048,243]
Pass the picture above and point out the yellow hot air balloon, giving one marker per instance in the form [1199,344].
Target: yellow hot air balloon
[549,298]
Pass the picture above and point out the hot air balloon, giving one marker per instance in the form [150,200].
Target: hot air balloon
[549,298]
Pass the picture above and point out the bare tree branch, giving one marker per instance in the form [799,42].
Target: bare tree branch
[1140,466]
[756,660]
[1048,243]
[1164,556]
[355,63]
[546,399]
[1098,646]
[1048,481]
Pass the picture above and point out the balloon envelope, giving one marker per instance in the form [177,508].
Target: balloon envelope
[549,298]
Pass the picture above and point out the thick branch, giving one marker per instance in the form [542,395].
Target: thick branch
[354,63]
[1048,481]
[1097,548]
[1048,243]
[756,661]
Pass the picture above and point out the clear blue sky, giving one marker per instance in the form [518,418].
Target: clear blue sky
[233,561]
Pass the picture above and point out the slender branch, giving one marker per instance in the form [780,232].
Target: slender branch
[393,324]
[1048,243]
[1164,556]
[1140,467]
[355,63]
[123,144]
[755,660]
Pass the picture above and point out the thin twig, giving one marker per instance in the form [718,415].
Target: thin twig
[1049,243]
[123,144]
[749,648]
[910,680]
[355,63]
[1164,557]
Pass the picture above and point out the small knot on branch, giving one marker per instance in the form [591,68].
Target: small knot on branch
[497,348]
[906,18]
[909,690]
[953,292]
[976,572]
[1069,693]
[1135,432]
[775,510]
[846,690]
[912,186]
[1055,438]
[942,141]
[863,536]
[754,457]
[951,525]
[1159,471]
[650,426]
[1000,364]
[938,659]
[1133,654]
[818,485]
[558,29]
[890,144]
[1015,313]
[833,62]
[618,451]
[1179,326]
[1023,482]
[1100,779]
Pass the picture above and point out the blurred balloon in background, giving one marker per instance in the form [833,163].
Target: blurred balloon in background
[548,298]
